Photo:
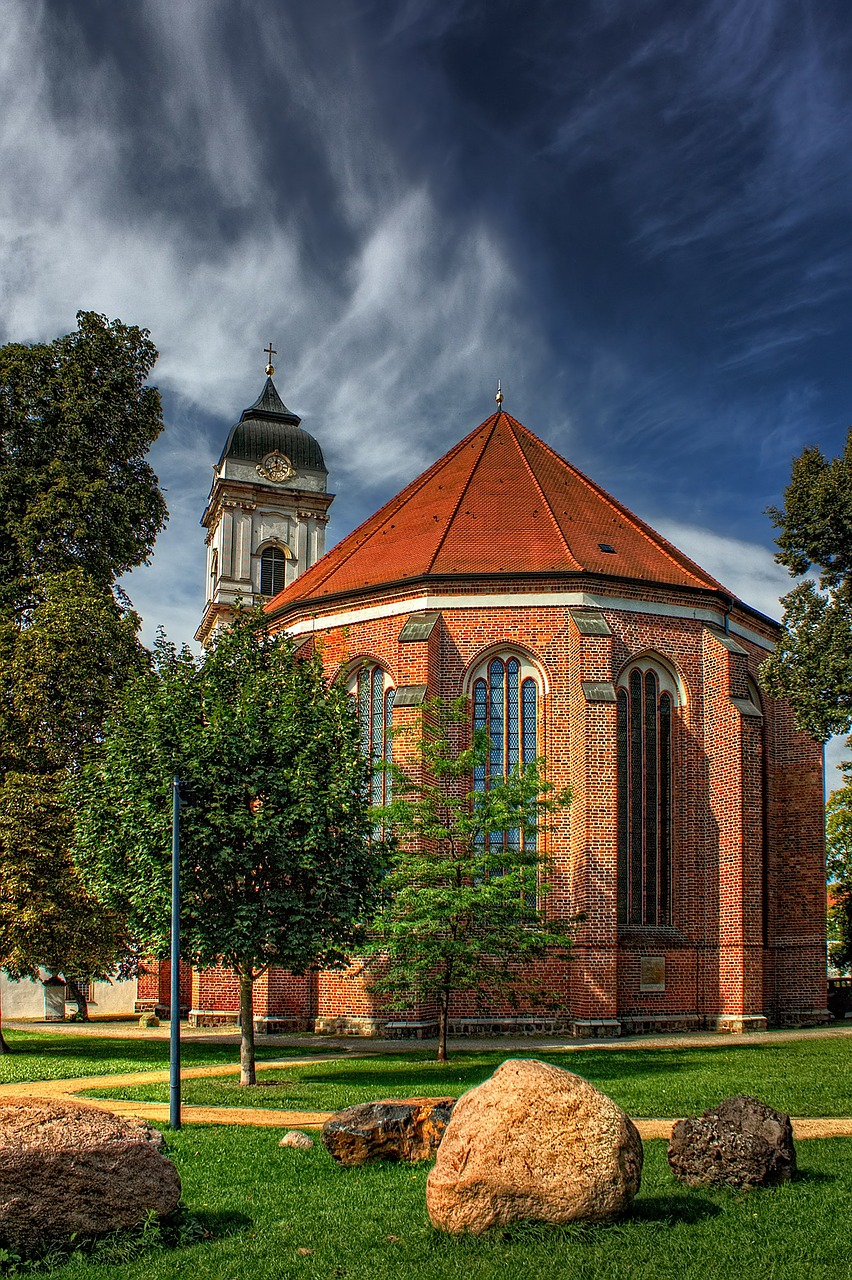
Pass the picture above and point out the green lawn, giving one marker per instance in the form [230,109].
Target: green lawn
[40,1055]
[262,1204]
[803,1077]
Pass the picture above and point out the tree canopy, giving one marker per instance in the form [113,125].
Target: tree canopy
[465,900]
[79,505]
[276,865]
[77,419]
[812,664]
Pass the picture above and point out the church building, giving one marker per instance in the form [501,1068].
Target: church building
[693,846]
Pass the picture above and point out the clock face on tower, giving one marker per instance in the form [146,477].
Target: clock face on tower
[275,467]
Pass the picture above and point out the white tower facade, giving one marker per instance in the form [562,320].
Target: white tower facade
[267,512]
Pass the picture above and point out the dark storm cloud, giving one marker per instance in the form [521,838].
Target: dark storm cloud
[635,213]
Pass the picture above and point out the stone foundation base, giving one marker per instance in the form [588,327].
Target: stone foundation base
[672,1023]
[214,1017]
[595,1028]
[800,1017]
[410,1030]
[282,1026]
[737,1023]
[162,1011]
[342,1026]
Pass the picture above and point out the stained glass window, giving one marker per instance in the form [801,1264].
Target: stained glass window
[505,705]
[374,697]
[644,766]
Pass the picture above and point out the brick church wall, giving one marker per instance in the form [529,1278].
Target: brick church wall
[746,941]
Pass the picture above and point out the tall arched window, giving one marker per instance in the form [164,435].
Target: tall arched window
[272,571]
[373,691]
[646,700]
[505,705]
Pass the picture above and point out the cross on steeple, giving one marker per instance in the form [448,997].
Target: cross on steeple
[270,368]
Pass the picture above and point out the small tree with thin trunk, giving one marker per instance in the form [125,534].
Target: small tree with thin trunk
[465,901]
[276,864]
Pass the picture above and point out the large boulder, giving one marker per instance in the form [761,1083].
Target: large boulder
[393,1129]
[533,1142]
[68,1169]
[742,1142]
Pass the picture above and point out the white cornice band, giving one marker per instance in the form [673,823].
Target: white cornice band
[521,600]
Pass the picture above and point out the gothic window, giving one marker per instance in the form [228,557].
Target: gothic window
[272,564]
[506,706]
[646,700]
[373,692]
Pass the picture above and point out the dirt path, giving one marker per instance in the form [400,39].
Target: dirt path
[69,1091]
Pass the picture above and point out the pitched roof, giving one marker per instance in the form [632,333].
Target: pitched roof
[500,502]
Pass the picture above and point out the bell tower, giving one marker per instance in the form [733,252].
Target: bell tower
[268,508]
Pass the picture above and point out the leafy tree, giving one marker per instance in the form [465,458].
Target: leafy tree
[812,664]
[47,917]
[276,866]
[838,830]
[77,419]
[464,909]
[61,672]
[79,505]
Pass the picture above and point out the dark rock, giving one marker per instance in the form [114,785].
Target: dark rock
[394,1129]
[70,1170]
[741,1143]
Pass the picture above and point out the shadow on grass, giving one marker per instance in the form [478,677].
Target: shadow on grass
[221,1223]
[672,1209]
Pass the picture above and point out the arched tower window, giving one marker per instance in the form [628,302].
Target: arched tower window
[272,571]
[646,701]
[373,691]
[506,705]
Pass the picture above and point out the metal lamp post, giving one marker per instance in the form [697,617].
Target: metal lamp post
[174,1036]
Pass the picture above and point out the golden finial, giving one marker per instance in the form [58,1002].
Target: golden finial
[270,367]
[499,395]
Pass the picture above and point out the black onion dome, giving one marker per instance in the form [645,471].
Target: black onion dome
[267,427]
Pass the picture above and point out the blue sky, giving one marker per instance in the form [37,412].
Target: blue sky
[635,213]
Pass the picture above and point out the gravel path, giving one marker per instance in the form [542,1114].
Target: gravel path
[69,1090]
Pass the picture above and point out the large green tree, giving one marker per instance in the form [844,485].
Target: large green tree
[276,864]
[466,898]
[812,664]
[79,506]
[77,418]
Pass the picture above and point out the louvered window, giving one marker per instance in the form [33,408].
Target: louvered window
[272,571]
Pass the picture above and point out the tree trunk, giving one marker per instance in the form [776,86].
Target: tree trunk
[247,1074]
[4,1048]
[443,1010]
[79,999]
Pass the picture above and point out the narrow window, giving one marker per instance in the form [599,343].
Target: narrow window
[644,798]
[272,563]
[374,696]
[505,705]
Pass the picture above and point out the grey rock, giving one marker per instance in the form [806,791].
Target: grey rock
[294,1138]
[741,1143]
[70,1170]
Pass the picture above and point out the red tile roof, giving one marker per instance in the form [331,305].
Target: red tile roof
[499,502]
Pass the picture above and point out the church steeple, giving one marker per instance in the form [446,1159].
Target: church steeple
[267,511]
